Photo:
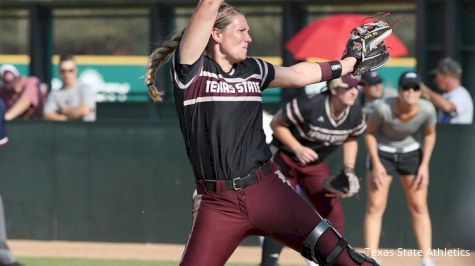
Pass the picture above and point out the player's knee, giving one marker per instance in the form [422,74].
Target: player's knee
[418,208]
[375,207]
[311,251]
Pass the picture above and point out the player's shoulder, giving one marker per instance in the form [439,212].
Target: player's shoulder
[356,109]
[319,97]
[426,106]
[314,101]
[254,63]
[308,104]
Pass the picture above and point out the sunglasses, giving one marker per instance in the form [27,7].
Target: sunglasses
[415,88]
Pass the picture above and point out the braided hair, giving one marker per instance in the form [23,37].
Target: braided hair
[162,54]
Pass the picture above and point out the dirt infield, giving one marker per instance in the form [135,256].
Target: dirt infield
[33,248]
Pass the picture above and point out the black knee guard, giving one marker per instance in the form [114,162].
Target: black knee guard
[311,251]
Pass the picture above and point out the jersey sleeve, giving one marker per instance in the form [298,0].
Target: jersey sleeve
[295,111]
[267,72]
[183,74]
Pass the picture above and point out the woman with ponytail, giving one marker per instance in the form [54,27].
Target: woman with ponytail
[218,98]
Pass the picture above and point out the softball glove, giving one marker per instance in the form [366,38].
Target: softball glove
[345,184]
[366,44]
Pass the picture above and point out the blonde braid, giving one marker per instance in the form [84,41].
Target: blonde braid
[162,54]
[157,59]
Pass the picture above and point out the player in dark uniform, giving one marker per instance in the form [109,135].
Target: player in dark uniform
[306,131]
[218,98]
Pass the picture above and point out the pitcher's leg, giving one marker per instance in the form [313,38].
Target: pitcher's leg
[283,215]
[217,231]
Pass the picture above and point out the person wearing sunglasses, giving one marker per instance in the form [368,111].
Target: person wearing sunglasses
[306,131]
[396,130]
[75,100]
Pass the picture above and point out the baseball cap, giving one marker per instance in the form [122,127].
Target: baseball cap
[9,74]
[448,65]
[371,78]
[409,79]
[344,82]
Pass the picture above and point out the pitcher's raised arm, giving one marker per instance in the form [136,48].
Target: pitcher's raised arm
[196,36]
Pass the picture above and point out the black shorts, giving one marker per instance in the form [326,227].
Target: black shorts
[403,163]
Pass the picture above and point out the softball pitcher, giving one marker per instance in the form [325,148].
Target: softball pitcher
[217,91]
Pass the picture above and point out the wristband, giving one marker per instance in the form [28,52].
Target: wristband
[330,70]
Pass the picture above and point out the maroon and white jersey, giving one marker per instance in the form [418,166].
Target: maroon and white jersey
[221,115]
[311,123]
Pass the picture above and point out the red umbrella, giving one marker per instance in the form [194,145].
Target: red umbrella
[326,38]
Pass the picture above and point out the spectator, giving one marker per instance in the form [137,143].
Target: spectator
[21,95]
[455,104]
[6,256]
[75,100]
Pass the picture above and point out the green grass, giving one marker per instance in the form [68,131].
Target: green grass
[99,262]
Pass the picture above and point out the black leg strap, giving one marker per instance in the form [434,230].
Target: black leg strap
[308,250]
[360,258]
[357,257]
[331,258]
[311,250]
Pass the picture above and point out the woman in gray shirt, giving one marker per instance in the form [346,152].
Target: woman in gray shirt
[396,129]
